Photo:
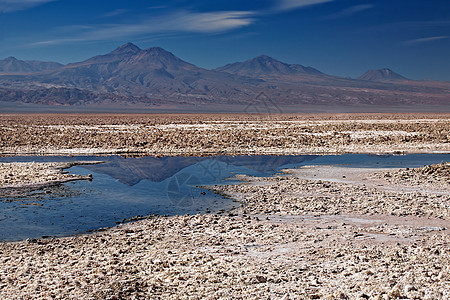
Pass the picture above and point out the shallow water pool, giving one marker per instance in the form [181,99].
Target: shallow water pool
[126,187]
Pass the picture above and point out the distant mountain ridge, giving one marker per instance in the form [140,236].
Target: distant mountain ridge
[14,65]
[151,73]
[129,75]
[264,65]
[384,74]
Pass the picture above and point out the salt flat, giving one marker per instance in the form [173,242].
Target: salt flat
[343,233]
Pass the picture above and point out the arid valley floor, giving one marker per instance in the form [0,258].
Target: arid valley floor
[314,232]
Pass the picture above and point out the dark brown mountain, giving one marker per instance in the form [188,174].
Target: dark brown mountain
[13,65]
[154,76]
[384,74]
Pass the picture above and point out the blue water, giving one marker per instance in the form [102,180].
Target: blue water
[125,187]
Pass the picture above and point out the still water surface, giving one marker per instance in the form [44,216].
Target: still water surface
[126,187]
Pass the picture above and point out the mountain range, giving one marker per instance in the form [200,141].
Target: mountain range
[384,74]
[12,65]
[154,77]
[265,66]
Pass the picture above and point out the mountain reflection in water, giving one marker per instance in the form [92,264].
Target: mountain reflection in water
[132,171]
[127,187]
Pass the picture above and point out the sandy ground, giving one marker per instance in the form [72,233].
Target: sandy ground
[224,134]
[343,233]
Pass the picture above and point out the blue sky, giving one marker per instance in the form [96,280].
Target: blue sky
[338,37]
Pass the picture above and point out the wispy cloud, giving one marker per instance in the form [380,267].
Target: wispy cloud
[156,7]
[411,25]
[350,11]
[212,21]
[435,23]
[296,4]
[425,40]
[114,13]
[14,5]
[166,23]
[179,22]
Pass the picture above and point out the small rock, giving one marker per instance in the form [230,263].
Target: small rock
[409,288]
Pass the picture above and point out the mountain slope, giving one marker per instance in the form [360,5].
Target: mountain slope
[153,72]
[129,75]
[264,65]
[384,74]
[14,65]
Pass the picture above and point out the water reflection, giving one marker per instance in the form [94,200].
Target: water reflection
[126,187]
[132,171]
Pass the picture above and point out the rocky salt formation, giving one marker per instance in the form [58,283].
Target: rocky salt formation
[227,257]
[224,134]
[437,175]
[19,177]
[292,195]
[292,238]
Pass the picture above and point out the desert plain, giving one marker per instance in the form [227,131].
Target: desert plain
[315,232]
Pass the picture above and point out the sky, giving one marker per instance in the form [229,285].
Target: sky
[337,37]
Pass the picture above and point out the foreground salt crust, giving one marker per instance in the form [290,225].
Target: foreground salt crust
[293,238]
[379,236]
[224,134]
[18,178]
[229,257]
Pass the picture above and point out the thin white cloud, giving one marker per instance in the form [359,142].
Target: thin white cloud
[14,5]
[350,11]
[212,21]
[114,13]
[410,25]
[296,4]
[179,22]
[425,40]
